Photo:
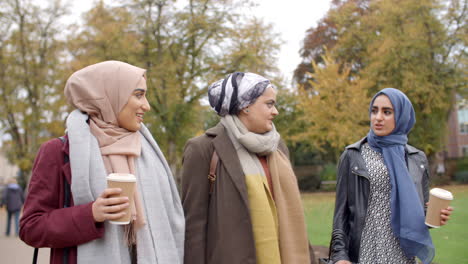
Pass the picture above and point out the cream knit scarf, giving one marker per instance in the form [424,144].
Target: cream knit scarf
[278,225]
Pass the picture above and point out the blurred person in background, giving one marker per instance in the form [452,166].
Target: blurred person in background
[13,198]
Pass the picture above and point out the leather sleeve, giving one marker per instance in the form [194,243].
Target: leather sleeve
[340,239]
[426,182]
[195,199]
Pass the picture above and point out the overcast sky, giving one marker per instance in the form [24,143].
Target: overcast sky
[291,18]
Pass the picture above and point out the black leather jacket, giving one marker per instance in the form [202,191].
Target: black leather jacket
[352,192]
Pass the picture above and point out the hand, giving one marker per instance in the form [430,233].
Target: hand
[343,262]
[109,208]
[445,215]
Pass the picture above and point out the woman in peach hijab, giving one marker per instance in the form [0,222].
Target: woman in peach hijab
[105,134]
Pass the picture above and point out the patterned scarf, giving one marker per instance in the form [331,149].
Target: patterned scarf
[278,224]
[236,91]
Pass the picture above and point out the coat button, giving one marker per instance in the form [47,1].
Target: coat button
[422,166]
[356,168]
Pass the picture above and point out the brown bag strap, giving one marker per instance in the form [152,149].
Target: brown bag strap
[212,174]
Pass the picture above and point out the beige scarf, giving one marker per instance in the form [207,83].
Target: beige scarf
[102,90]
[278,225]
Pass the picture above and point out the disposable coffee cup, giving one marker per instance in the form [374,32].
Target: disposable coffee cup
[126,182]
[438,199]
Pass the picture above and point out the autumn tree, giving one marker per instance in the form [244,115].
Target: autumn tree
[344,16]
[107,33]
[336,110]
[410,53]
[30,78]
[184,49]
[415,46]
[253,46]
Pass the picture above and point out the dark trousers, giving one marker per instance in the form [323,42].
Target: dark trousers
[16,215]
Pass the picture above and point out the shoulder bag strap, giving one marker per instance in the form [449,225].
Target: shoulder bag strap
[212,174]
[36,250]
[66,197]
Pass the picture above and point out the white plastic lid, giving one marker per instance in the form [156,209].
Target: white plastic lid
[121,177]
[442,194]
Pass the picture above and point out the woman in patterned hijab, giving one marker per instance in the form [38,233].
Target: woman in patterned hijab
[253,207]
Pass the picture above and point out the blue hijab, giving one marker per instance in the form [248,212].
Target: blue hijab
[407,214]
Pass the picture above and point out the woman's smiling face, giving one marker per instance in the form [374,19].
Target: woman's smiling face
[131,116]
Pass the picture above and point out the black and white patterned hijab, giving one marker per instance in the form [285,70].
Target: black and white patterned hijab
[237,91]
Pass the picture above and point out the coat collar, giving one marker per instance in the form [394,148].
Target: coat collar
[357,146]
[216,130]
[228,156]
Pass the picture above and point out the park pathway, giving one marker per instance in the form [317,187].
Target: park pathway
[15,251]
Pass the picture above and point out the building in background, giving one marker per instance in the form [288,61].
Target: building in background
[457,145]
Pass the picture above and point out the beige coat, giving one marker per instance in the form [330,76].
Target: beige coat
[218,228]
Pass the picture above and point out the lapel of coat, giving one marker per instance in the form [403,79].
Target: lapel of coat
[228,156]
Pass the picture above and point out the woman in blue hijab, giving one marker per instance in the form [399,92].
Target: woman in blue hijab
[382,191]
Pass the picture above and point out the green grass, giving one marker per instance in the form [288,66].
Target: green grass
[451,241]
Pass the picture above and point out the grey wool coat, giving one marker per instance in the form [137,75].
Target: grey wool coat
[218,226]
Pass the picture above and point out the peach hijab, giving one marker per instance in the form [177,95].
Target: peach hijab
[102,90]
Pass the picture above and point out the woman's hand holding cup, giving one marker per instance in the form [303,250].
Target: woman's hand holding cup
[445,215]
[109,207]
[438,209]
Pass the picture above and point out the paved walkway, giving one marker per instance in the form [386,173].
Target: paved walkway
[15,251]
